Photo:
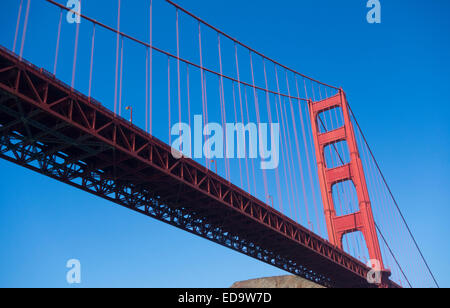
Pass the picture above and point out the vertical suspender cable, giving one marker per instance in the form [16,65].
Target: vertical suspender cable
[17,25]
[117,57]
[222,102]
[92,61]
[258,116]
[57,43]
[291,183]
[121,78]
[269,113]
[308,161]
[178,70]
[188,93]
[206,98]
[239,145]
[150,116]
[75,54]
[168,99]
[252,161]
[283,155]
[291,162]
[297,144]
[147,51]
[202,73]
[24,33]
[241,108]
[287,170]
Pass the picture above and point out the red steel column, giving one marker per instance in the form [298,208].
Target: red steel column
[362,220]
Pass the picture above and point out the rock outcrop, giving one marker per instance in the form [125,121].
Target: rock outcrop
[289,282]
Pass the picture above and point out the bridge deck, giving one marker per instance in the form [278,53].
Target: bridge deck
[48,127]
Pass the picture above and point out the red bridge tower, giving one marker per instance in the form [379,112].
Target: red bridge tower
[362,220]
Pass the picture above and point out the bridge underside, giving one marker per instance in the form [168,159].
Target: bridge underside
[48,128]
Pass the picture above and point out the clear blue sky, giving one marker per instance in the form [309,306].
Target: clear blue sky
[396,75]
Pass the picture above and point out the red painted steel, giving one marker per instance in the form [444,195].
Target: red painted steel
[362,220]
[48,127]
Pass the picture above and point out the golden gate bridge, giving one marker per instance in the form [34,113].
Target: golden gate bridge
[326,213]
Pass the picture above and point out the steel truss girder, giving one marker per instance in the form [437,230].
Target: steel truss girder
[152,188]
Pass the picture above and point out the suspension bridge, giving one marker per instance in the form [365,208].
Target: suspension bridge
[97,114]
